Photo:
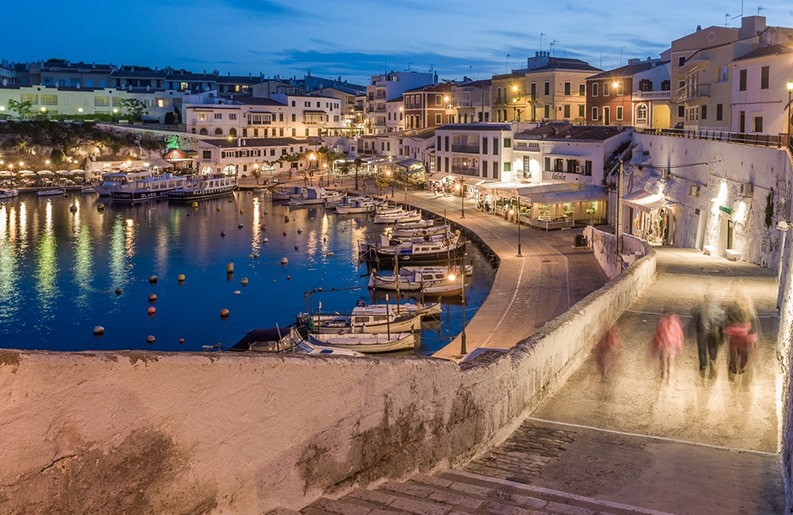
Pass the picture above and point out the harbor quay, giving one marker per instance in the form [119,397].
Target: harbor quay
[225,433]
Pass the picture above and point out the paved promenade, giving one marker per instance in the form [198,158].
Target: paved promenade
[695,443]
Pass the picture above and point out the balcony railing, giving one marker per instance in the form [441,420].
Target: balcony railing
[692,91]
[651,95]
[466,149]
[465,170]
[761,140]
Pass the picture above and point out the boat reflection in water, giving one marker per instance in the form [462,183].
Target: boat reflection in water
[154,275]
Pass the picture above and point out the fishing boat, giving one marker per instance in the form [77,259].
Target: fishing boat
[415,224]
[277,341]
[155,187]
[418,278]
[6,194]
[111,181]
[51,192]
[204,187]
[400,215]
[353,205]
[382,318]
[419,231]
[424,309]
[365,342]
[314,195]
[426,252]
[285,192]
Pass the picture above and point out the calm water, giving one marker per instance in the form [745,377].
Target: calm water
[63,262]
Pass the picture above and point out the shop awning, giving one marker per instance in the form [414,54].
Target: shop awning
[645,201]
[410,163]
[576,195]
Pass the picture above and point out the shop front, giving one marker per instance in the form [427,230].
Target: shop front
[652,217]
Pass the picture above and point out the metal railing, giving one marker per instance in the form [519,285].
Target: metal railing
[761,140]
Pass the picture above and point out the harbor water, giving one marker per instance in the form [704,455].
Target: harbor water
[70,265]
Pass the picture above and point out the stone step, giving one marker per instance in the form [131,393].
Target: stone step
[464,492]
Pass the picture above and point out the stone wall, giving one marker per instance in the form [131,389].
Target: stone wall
[154,432]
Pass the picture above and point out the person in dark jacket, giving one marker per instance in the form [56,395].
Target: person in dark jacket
[709,320]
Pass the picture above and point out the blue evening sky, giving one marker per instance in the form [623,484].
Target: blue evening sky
[357,39]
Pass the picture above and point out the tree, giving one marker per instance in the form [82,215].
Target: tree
[22,109]
[133,108]
[358,162]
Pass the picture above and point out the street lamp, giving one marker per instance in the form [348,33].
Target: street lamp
[452,277]
[517,218]
[461,187]
[789,117]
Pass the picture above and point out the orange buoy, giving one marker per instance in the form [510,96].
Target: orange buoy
[153,279]
[224,313]
[152,310]
[150,338]
[244,281]
[99,330]
[152,297]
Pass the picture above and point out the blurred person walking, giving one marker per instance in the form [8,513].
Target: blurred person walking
[741,330]
[709,319]
[667,341]
[607,352]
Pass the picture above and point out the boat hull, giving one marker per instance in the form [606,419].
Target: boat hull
[367,343]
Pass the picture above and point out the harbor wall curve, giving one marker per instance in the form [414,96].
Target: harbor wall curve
[231,433]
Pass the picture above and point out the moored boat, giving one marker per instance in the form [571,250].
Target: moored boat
[277,341]
[353,205]
[397,216]
[363,319]
[426,252]
[285,192]
[204,187]
[428,279]
[365,342]
[148,188]
[6,194]
[112,181]
[51,192]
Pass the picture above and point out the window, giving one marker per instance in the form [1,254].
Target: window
[594,89]
[703,112]
[206,154]
[437,119]
[567,110]
[294,117]
[484,146]
[742,80]
[758,124]
[619,113]
[641,114]
[232,116]
[202,117]
[723,74]
[49,100]
[507,167]
[547,111]
[438,144]
[681,111]
[581,110]
[719,112]
[307,103]
[587,167]
[495,169]
[594,113]
[581,90]
[547,164]
[558,164]
[606,89]
[484,168]
[507,142]
[763,77]
[446,143]
[437,100]
[645,85]
[533,90]
[218,116]
[681,60]
[547,88]
[495,146]
[567,88]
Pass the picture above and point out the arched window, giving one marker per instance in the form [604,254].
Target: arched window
[230,170]
[206,170]
[203,131]
[192,130]
[233,132]
[218,132]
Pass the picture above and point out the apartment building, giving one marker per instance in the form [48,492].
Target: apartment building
[471,101]
[253,156]
[481,150]
[429,106]
[635,94]
[386,88]
[548,89]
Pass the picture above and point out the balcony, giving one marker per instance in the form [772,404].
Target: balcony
[691,91]
[638,96]
[466,149]
[465,170]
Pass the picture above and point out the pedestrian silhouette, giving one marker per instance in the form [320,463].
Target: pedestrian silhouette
[741,330]
[709,320]
[607,352]
[667,341]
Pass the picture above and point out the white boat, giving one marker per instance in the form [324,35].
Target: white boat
[204,187]
[111,181]
[435,283]
[380,318]
[424,309]
[286,192]
[427,252]
[51,192]
[400,215]
[333,198]
[366,343]
[276,341]
[155,187]
[416,224]
[419,231]
[352,205]
[312,196]
[6,194]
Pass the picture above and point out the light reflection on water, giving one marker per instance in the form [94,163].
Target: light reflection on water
[62,260]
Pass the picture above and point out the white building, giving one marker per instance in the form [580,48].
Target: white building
[387,87]
[261,157]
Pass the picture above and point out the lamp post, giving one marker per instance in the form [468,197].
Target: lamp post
[463,347]
[513,211]
[461,186]
[619,214]
[789,117]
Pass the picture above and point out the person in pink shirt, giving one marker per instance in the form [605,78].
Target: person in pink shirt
[607,352]
[667,341]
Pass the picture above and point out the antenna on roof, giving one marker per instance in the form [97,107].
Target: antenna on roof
[760,8]
[541,35]
[552,45]
[506,68]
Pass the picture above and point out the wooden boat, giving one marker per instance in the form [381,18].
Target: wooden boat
[314,195]
[204,187]
[363,319]
[276,341]
[386,254]
[400,215]
[352,205]
[6,194]
[51,192]
[419,231]
[424,309]
[417,224]
[155,187]
[365,342]
[286,192]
